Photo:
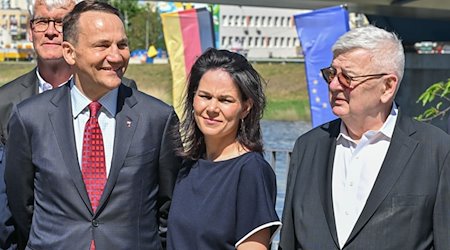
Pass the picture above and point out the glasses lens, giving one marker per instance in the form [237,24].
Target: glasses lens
[328,74]
[344,79]
[40,25]
[58,26]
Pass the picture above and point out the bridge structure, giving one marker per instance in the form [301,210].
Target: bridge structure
[413,20]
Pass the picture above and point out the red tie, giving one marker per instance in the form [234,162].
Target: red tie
[93,165]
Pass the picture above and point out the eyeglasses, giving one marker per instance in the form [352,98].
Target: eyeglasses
[329,74]
[41,24]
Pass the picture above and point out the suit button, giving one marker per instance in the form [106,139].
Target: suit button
[95,223]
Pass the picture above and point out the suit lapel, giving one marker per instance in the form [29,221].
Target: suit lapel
[328,147]
[400,151]
[30,86]
[62,123]
[126,122]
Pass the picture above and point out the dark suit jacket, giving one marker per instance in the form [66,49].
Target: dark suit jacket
[45,190]
[11,94]
[408,207]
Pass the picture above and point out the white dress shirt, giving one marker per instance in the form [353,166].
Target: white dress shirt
[43,85]
[355,169]
[106,120]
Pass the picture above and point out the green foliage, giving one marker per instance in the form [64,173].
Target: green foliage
[439,107]
[128,8]
[146,24]
[143,24]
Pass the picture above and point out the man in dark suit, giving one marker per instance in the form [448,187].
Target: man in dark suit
[61,194]
[52,71]
[372,179]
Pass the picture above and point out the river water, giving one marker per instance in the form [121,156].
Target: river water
[280,136]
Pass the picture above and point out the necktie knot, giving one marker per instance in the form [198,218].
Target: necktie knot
[94,107]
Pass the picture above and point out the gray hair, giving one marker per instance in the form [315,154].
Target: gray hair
[51,4]
[386,48]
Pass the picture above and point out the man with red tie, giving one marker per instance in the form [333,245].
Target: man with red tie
[91,164]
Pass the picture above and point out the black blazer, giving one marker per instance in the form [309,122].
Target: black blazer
[45,189]
[408,207]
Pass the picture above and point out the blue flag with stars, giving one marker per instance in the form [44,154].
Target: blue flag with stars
[318,30]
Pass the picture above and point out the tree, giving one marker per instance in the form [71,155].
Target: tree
[142,23]
[128,8]
[440,106]
[146,29]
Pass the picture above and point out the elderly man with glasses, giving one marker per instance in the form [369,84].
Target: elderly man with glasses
[373,178]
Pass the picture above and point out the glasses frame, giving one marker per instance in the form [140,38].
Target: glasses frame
[329,73]
[47,21]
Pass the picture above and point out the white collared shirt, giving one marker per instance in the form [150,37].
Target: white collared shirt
[43,85]
[355,169]
[106,120]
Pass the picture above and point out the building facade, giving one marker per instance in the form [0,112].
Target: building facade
[259,32]
[13,23]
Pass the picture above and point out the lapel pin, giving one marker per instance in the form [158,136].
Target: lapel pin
[128,124]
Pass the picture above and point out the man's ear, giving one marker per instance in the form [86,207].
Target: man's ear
[30,33]
[390,88]
[68,53]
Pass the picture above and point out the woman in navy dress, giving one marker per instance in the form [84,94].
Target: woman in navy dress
[225,195]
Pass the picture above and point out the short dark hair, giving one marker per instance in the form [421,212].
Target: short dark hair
[70,22]
[250,85]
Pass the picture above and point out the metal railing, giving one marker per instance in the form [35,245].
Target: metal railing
[279,159]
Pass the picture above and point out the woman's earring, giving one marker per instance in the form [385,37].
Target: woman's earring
[242,127]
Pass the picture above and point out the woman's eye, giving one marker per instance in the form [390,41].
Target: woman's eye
[207,97]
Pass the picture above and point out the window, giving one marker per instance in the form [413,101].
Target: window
[224,41]
[224,20]
[295,42]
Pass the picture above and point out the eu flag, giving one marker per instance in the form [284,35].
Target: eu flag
[318,30]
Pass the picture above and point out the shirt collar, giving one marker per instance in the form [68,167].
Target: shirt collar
[387,129]
[44,85]
[80,101]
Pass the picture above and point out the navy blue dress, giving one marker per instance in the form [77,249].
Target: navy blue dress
[217,205]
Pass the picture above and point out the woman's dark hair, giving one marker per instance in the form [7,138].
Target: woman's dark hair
[250,85]
[71,20]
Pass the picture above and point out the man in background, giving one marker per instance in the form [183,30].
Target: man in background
[91,164]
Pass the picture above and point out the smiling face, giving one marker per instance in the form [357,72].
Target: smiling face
[100,55]
[218,107]
[47,44]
